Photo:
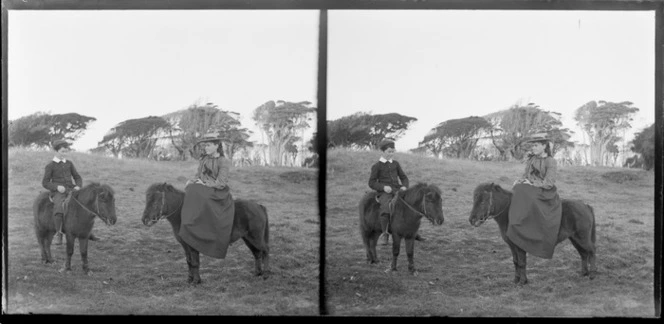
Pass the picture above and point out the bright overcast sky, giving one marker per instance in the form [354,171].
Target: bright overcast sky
[125,64]
[437,65]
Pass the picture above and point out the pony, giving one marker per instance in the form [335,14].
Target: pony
[421,200]
[490,201]
[93,200]
[162,200]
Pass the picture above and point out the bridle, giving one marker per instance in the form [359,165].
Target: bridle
[163,203]
[104,219]
[488,210]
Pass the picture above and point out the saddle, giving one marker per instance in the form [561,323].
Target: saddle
[65,203]
[392,202]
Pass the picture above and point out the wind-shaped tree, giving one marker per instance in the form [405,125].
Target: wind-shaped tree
[602,121]
[459,136]
[281,121]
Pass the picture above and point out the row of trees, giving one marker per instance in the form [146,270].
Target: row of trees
[602,123]
[281,123]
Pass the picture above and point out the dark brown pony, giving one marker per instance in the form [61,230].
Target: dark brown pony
[93,200]
[577,224]
[251,224]
[419,201]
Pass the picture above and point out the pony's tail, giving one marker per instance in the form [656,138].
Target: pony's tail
[592,228]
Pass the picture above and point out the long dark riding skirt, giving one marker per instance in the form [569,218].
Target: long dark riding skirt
[207,219]
[534,219]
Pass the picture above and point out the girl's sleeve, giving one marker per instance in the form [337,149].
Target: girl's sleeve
[550,174]
[223,171]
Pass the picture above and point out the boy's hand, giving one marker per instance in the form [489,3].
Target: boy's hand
[77,188]
[61,189]
[402,188]
[387,189]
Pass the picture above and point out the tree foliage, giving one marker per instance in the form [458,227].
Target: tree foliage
[644,144]
[40,129]
[363,130]
[30,130]
[69,126]
[455,137]
[513,126]
[134,137]
[187,126]
[602,121]
[279,123]
[351,131]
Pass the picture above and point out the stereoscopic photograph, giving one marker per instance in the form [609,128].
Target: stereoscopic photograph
[490,163]
[331,159]
[162,162]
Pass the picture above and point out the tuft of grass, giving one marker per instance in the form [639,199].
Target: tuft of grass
[468,271]
[142,270]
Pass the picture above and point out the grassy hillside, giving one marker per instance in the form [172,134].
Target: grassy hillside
[142,270]
[468,271]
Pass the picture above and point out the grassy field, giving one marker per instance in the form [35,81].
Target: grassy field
[468,271]
[142,270]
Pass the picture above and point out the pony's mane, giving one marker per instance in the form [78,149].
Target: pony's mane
[87,192]
[486,187]
[414,191]
[161,187]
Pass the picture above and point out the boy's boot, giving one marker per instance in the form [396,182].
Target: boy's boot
[384,223]
[58,229]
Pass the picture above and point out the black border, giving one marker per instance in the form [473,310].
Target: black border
[323,5]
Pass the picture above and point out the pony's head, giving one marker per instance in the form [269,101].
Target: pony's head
[100,200]
[156,203]
[430,199]
[489,201]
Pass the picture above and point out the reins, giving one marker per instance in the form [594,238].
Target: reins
[413,208]
[88,210]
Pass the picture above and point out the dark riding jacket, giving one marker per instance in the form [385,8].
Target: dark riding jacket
[61,174]
[386,173]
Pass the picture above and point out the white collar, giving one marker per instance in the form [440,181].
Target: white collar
[56,160]
[382,159]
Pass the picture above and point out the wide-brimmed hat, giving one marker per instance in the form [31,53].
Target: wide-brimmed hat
[57,144]
[385,144]
[538,137]
[209,137]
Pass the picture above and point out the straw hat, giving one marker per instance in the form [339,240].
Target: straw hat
[210,137]
[538,137]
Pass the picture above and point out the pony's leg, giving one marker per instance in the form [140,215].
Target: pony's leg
[83,246]
[187,254]
[195,265]
[515,258]
[70,252]
[258,255]
[47,247]
[410,252]
[373,242]
[587,252]
[521,266]
[396,246]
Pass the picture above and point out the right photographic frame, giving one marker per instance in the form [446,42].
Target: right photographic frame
[491,163]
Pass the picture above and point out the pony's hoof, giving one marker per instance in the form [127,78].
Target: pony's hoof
[414,273]
[195,281]
[592,275]
[88,273]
